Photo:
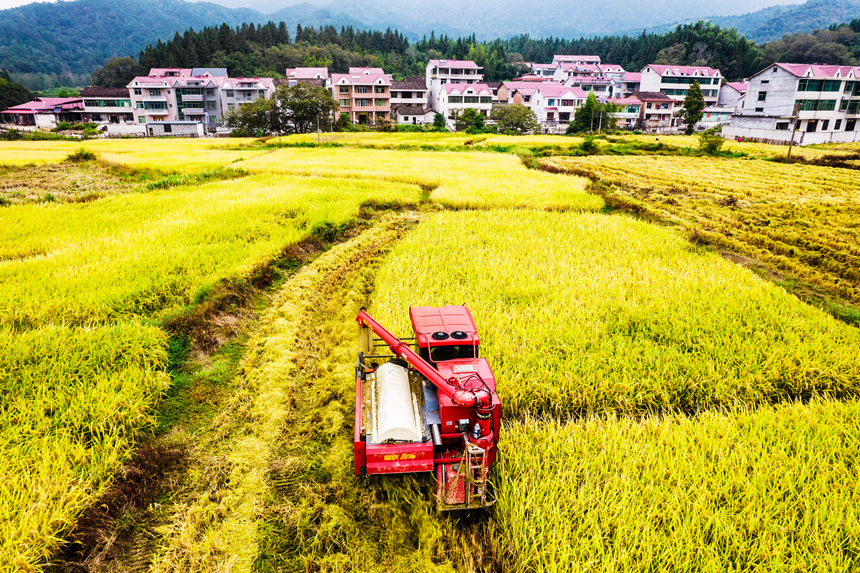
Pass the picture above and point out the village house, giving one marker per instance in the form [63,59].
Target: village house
[675,81]
[555,105]
[364,97]
[731,93]
[826,99]
[629,111]
[439,73]
[657,112]
[409,102]
[106,105]
[455,98]
[629,84]
[44,112]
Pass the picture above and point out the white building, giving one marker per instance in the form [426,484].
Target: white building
[555,105]
[175,129]
[454,98]
[675,81]
[629,112]
[443,72]
[409,102]
[827,99]
[630,84]
[731,93]
[575,59]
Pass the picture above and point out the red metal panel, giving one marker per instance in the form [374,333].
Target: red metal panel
[358,445]
[399,458]
[429,319]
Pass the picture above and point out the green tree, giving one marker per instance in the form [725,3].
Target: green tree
[11,94]
[468,119]
[439,122]
[253,119]
[594,116]
[693,108]
[116,73]
[343,123]
[515,119]
[301,108]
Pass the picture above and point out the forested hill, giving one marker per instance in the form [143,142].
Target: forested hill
[76,37]
[775,22]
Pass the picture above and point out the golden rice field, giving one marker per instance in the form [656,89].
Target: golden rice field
[664,408]
[802,219]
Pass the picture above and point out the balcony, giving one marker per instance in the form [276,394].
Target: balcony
[194,111]
[155,111]
[154,98]
[192,97]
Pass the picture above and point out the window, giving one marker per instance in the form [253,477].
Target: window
[472,99]
[362,102]
[379,89]
[210,105]
[231,106]
[455,99]
[648,106]
[261,93]
[567,103]
[564,116]
[141,119]
[156,105]
[137,91]
[817,105]
[762,96]
[210,91]
[765,81]
[809,86]
[362,89]
[782,126]
[849,124]
[486,99]
[837,125]
[664,106]
[759,109]
[155,92]
[191,91]
[550,102]
[380,102]
[527,98]
[229,93]
[344,103]
[825,124]
[213,119]
[831,85]
[139,105]
[168,128]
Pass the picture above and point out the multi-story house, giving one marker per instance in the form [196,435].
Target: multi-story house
[307,74]
[657,112]
[543,70]
[675,81]
[826,100]
[555,105]
[238,91]
[106,105]
[629,111]
[44,112]
[152,99]
[366,98]
[455,98]
[198,98]
[603,88]
[630,84]
[409,102]
[439,73]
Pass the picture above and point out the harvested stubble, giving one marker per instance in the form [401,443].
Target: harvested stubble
[769,489]
[590,313]
[458,180]
[802,219]
[71,403]
[144,253]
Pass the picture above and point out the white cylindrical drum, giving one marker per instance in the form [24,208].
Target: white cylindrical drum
[396,415]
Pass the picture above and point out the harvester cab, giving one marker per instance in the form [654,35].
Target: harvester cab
[431,410]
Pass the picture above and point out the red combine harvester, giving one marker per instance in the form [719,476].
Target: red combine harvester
[435,410]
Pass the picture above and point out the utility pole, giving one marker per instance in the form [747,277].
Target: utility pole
[794,113]
[600,125]
[318,129]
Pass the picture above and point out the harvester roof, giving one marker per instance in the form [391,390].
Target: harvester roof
[442,326]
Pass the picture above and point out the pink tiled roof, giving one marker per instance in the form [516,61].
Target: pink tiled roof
[158,72]
[43,104]
[683,70]
[360,79]
[739,86]
[555,90]
[819,71]
[633,77]
[578,67]
[542,66]
[526,90]
[149,81]
[463,88]
[516,84]
[625,100]
[532,78]
[614,68]
[306,73]
[455,64]
[234,82]
[558,57]
[366,71]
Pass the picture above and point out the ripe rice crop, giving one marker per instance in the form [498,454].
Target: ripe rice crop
[588,313]
[371,138]
[143,253]
[798,218]
[770,489]
[457,180]
[71,403]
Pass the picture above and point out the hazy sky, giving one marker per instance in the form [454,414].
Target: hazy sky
[251,3]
